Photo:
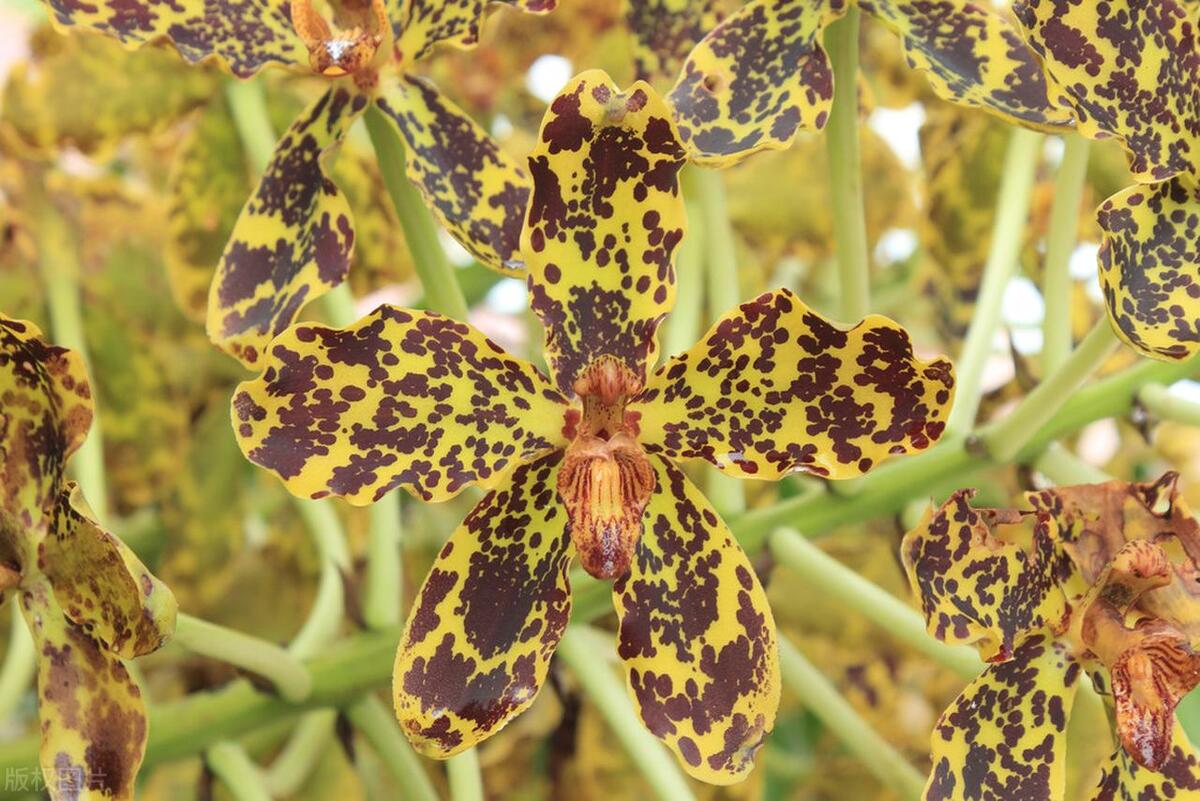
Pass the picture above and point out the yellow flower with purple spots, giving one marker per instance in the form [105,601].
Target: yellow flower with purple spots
[89,601]
[585,462]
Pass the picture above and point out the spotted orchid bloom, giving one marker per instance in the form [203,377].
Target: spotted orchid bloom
[762,75]
[294,239]
[88,600]
[1097,577]
[585,462]
[1130,70]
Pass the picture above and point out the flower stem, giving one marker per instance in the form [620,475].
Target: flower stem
[378,725]
[241,776]
[442,292]
[874,753]
[248,106]
[260,657]
[719,253]
[466,780]
[1012,211]
[325,618]
[1062,467]
[1163,404]
[845,171]
[300,757]
[1008,436]
[381,601]
[1064,225]
[19,663]
[340,309]
[583,650]
[829,577]
[684,325]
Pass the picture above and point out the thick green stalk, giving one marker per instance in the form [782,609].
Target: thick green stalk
[340,310]
[711,215]
[874,753]
[584,651]
[260,657]
[845,171]
[1160,402]
[821,572]
[19,663]
[1064,468]
[1008,436]
[1060,242]
[1012,211]
[466,780]
[243,779]
[378,725]
[684,324]
[248,107]
[442,292]
[302,754]
[381,600]
[325,618]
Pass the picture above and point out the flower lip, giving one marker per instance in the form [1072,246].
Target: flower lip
[353,49]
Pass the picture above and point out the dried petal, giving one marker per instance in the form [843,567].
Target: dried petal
[1004,737]
[477,190]
[603,225]
[985,577]
[696,635]
[973,57]
[93,720]
[774,388]
[479,638]
[293,240]
[400,398]
[755,80]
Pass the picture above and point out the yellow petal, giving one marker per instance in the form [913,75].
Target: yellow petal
[973,57]
[93,719]
[1122,779]
[294,238]
[1004,737]
[665,31]
[425,23]
[490,614]
[102,586]
[1150,267]
[477,190]
[696,635]
[400,398]
[1129,69]
[603,225]
[774,388]
[755,80]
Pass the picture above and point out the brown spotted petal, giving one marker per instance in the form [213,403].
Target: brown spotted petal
[102,586]
[774,388]
[985,577]
[293,240]
[479,639]
[603,225]
[1123,779]
[1129,69]
[400,398]
[665,31]
[476,190]
[243,37]
[45,412]
[93,719]
[755,80]
[1150,266]
[974,57]
[1004,737]
[696,635]
[422,24]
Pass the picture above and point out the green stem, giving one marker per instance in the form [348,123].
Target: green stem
[381,601]
[874,753]
[1064,468]
[684,325]
[719,252]
[302,754]
[1160,402]
[584,651]
[830,578]
[466,780]
[240,775]
[1060,242]
[378,725]
[325,618]
[845,171]
[442,292]
[248,106]
[1012,211]
[1007,437]
[19,663]
[339,306]
[58,260]
[260,657]
[326,530]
